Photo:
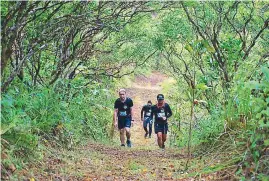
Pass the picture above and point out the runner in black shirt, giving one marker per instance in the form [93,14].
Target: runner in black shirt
[147,118]
[161,112]
[123,114]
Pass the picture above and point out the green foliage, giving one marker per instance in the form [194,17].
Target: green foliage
[61,116]
[74,50]
[257,132]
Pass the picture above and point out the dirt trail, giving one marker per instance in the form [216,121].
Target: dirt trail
[142,90]
[144,161]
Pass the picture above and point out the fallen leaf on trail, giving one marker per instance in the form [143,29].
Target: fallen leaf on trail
[87,179]
[144,170]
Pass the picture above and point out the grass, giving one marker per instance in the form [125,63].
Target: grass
[133,165]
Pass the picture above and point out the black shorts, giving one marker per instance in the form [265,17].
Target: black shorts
[124,122]
[161,128]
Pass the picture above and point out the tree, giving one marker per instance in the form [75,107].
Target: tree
[60,36]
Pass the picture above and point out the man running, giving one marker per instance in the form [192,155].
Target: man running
[147,118]
[161,112]
[123,114]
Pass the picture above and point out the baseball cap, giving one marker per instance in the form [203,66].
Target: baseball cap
[160,97]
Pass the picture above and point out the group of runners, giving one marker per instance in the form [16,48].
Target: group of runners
[157,114]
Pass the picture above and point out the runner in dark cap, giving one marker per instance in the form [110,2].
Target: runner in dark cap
[161,112]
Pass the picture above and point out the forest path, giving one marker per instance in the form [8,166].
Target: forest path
[96,161]
[144,161]
[142,90]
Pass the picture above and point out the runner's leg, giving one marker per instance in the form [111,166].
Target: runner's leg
[145,125]
[122,137]
[128,133]
[150,127]
[159,139]
[164,136]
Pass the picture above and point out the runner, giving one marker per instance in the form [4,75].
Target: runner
[161,112]
[123,114]
[147,118]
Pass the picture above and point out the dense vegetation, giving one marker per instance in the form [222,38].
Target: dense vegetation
[61,63]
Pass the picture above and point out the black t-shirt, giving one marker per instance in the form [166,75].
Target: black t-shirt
[160,112]
[148,111]
[124,108]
